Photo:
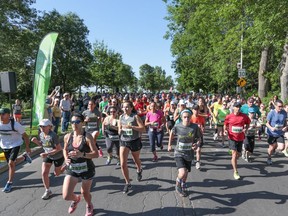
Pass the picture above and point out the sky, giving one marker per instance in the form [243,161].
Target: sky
[133,28]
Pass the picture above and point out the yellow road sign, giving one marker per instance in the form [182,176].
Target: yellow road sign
[241,82]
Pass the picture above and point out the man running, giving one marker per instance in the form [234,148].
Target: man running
[276,127]
[11,135]
[236,125]
[188,140]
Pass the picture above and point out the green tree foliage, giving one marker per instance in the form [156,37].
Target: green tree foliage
[108,69]
[154,78]
[206,41]
[72,57]
[17,42]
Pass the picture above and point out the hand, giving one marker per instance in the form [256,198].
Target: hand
[43,155]
[28,150]
[285,128]
[34,139]
[169,148]
[194,146]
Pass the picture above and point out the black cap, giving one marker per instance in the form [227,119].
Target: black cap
[237,104]
[4,110]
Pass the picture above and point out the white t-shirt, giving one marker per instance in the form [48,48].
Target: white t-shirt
[9,138]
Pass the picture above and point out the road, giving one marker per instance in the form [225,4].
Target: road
[262,189]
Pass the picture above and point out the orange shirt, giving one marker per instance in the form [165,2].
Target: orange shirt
[198,120]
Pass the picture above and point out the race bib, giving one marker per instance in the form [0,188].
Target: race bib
[128,131]
[279,126]
[78,167]
[171,117]
[184,146]
[113,137]
[237,129]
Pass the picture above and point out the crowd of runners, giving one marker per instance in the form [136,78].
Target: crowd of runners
[124,119]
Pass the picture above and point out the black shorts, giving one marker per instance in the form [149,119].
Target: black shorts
[133,145]
[57,162]
[85,175]
[11,154]
[249,143]
[170,124]
[235,145]
[272,140]
[182,163]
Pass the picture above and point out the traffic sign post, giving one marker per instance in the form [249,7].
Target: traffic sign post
[241,82]
[241,73]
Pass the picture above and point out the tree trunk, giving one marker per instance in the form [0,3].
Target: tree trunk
[262,80]
[284,76]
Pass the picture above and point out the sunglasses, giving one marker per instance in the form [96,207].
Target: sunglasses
[76,122]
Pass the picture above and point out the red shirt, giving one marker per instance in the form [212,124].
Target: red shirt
[235,125]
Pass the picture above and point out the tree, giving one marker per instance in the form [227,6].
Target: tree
[206,42]
[17,43]
[108,69]
[154,78]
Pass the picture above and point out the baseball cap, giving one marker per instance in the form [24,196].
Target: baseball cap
[237,104]
[251,110]
[4,110]
[182,102]
[45,122]
[172,102]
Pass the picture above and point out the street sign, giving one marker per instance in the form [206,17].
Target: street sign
[241,73]
[241,82]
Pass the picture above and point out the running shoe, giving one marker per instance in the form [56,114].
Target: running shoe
[8,187]
[285,152]
[179,190]
[215,137]
[74,204]
[198,165]
[126,188]
[100,152]
[108,161]
[236,175]
[89,210]
[118,162]
[223,145]
[184,187]
[161,147]
[155,158]
[47,195]
[27,158]
[269,161]
[139,175]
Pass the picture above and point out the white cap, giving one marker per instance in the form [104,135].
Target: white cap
[45,122]
[182,102]
[172,102]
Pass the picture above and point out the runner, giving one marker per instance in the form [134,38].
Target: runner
[155,121]
[276,127]
[92,122]
[11,135]
[200,121]
[262,121]
[220,117]
[53,154]
[130,126]
[169,115]
[249,142]
[79,150]
[187,136]
[236,125]
[110,129]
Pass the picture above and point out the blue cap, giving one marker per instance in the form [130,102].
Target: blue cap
[251,110]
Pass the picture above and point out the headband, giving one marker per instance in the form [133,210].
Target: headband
[187,111]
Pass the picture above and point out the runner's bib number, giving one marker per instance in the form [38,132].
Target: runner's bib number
[128,131]
[237,129]
[184,146]
[113,137]
[79,167]
[278,126]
